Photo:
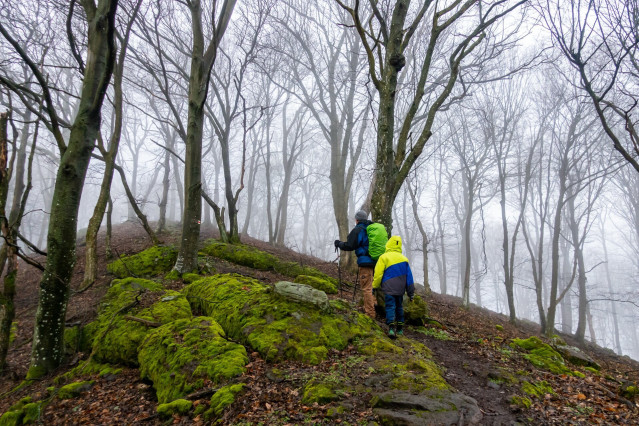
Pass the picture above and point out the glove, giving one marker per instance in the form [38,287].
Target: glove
[337,243]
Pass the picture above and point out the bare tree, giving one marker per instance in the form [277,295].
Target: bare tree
[47,350]
[386,35]
[599,39]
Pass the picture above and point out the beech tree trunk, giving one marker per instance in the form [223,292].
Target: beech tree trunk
[201,63]
[47,350]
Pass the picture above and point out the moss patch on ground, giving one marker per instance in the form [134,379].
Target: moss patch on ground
[152,262]
[541,355]
[116,337]
[321,393]
[223,398]
[24,411]
[317,283]
[277,328]
[537,389]
[180,356]
[179,406]
[74,389]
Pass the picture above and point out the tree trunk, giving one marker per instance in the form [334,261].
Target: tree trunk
[566,278]
[613,305]
[47,350]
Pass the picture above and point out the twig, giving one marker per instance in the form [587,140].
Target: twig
[142,321]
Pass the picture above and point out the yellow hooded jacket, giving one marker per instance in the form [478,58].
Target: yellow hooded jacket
[392,271]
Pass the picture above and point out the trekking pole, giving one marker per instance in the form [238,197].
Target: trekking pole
[339,272]
[355,286]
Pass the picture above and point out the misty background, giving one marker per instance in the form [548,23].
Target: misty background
[518,147]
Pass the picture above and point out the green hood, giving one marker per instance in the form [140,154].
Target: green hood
[394,244]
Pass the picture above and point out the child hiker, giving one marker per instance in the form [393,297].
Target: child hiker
[393,275]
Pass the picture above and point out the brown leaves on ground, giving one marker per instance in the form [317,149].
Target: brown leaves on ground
[473,360]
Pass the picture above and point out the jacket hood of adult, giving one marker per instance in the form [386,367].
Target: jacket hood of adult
[394,244]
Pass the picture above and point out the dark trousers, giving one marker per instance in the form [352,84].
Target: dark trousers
[394,308]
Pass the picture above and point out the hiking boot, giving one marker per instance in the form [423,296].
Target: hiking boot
[400,329]
[391,331]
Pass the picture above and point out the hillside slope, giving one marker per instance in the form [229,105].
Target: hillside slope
[474,349]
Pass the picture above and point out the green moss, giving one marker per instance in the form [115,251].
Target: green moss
[151,262]
[178,356]
[374,344]
[36,372]
[521,401]
[13,331]
[173,276]
[318,283]
[277,328]
[318,392]
[578,374]
[541,355]
[223,398]
[74,389]
[415,311]
[117,338]
[592,370]
[32,412]
[189,278]
[253,258]
[413,371]
[335,411]
[179,406]
[434,332]
[629,391]
[499,327]
[538,389]
[12,418]
[241,255]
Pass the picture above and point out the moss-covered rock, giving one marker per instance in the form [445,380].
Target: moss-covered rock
[321,393]
[251,257]
[277,328]
[74,389]
[189,278]
[377,343]
[223,398]
[179,406]
[241,255]
[22,412]
[116,337]
[541,355]
[179,356]
[32,412]
[152,262]
[413,371]
[79,338]
[415,312]
[12,418]
[317,283]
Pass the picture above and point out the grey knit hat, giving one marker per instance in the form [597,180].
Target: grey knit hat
[361,215]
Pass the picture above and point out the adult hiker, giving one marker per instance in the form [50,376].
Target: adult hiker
[393,275]
[358,241]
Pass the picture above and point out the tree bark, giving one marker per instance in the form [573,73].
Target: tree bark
[47,350]
[201,63]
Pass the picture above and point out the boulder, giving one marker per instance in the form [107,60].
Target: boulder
[575,356]
[414,312]
[303,293]
[438,407]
